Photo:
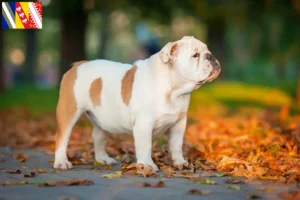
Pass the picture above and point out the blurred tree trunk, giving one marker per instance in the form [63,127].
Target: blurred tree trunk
[104,32]
[216,40]
[73,25]
[30,62]
[298,88]
[1,63]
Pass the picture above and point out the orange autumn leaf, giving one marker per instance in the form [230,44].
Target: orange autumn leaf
[146,171]
[228,164]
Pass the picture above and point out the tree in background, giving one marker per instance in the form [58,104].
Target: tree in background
[105,8]
[1,63]
[31,52]
[73,27]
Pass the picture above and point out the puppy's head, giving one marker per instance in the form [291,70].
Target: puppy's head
[191,59]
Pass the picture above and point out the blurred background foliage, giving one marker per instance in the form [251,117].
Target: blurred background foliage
[256,41]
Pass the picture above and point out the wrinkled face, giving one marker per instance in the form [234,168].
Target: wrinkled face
[192,60]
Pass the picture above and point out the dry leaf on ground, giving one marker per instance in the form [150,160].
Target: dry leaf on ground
[72,182]
[14,171]
[188,175]
[207,182]
[253,196]
[39,170]
[159,184]
[253,143]
[291,196]
[168,170]
[117,174]
[235,187]
[20,157]
[29,175]
[199,192]
[234,181]
[15,182]
[146,171]
[145,184]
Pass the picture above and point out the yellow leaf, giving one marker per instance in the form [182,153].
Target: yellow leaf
[97,164]
[117,174]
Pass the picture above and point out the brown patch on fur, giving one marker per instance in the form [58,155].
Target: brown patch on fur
[95,92]
[67,106]
[127,83]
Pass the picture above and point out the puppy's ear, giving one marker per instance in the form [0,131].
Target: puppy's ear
[169,52]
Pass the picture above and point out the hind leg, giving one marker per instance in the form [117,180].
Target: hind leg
[62,138]
[100,137]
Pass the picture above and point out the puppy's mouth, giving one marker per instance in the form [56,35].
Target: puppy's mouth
[213,75]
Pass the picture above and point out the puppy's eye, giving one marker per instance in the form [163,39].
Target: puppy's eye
[196,55]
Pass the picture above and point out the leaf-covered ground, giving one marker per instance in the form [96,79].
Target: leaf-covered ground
[252,140]
[254,143]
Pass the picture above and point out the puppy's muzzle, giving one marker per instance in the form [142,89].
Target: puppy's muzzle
[214,72]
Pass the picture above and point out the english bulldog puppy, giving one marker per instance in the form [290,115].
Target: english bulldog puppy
[149,97]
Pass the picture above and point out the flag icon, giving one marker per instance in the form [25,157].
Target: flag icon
[22,15]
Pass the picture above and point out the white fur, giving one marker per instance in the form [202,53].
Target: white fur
[149,111]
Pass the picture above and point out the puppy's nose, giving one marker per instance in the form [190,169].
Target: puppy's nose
[209,56]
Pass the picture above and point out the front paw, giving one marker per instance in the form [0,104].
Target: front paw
[149,163]
[106,160]
[62,164]
[180,163]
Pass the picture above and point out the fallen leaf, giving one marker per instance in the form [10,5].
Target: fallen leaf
[253,196]
[76,161]
[97,164]
[235,187]
[16,183]
[146,171]
[199,192]
[24,167]
[72,182]
[207,182]
[117,174]
[107,167]
[14,171]
[293,178]
[159,184]
[234,181]
[220,174]
[20,157]
[268,189]
[186,175]
[51,162]
[228,163]
[168,170]
[291,196]
[39,170]
[145,184]
[30,175]
[212,174]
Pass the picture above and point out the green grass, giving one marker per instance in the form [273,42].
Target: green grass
[236,94]
[35,99]
[230,94]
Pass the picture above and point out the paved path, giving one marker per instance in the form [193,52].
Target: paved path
[119,188]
